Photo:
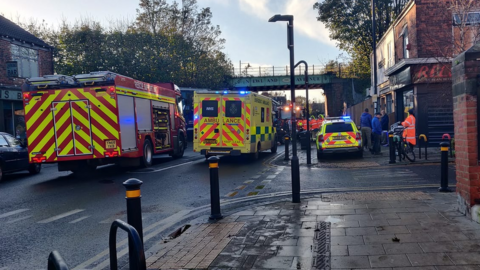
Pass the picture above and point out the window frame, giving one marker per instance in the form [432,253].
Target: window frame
[204,107]
[262,114]
[24,55]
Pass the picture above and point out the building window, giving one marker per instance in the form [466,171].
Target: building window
[470,18]
[405,43]
[27,60]
[390,55]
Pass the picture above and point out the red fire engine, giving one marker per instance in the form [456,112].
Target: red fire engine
[87,120]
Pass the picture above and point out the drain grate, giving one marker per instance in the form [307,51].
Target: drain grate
[321,249]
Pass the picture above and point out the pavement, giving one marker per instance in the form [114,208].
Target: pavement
[373,229]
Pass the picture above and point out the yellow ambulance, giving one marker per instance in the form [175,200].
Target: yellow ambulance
[233,123]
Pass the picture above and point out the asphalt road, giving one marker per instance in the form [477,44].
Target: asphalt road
[56,211]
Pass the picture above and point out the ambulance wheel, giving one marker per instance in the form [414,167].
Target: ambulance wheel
[181,147]
[147,158]
[274,147]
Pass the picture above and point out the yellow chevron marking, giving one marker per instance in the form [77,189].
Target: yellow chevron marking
[42,143]
[95,102]
[45,106]
[67,149]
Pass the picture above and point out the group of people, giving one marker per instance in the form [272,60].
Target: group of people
[376,129]
[372,129]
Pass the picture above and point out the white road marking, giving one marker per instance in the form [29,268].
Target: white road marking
[79,219]
[249,181]
[57,217]
[166,168]
[13,213]
[271,176]
[255,176]
[265,182]
[18,219]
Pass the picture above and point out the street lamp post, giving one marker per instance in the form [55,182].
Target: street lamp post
[374,47]
[307,114]
[294,162]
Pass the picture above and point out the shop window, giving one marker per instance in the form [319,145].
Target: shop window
[27,60]
[408,102]
[389,104]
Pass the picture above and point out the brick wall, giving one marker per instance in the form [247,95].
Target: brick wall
[334,93]
[45,63]
[465,100]
[5,56]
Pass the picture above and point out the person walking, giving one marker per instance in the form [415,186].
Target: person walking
[384,122]
[377,133]
[409,125]
[366,128]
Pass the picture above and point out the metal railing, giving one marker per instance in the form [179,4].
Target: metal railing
[136,256]
[264,71]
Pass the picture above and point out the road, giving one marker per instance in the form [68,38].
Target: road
[56,211]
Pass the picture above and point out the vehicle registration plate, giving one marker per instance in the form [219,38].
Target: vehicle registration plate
[210,141]
[111,144]
[339,138]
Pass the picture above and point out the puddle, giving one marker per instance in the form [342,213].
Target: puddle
[333,219]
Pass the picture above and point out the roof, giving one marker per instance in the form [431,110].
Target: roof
[9,29]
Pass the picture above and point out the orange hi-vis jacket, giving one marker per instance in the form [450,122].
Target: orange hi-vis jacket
[409,132]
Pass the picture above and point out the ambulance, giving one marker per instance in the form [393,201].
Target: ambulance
[87,120]
[233,123]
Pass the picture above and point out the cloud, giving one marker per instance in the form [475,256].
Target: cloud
[305,17]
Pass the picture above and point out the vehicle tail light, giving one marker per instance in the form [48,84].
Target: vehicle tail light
[320,138]
[196,132]
[26,95]
[358,136]
[111,154]
[39,159]
[248,134]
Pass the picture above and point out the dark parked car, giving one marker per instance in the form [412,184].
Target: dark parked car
[14,156]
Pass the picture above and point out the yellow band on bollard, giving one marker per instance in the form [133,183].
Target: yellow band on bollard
[133,193]
[287,139]
[422,136]
[213,165]
[390,135]
[444,148]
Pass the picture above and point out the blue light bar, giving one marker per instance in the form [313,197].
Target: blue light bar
[346,117]
[242,92]
[216,92]
[225,92]
[195,117]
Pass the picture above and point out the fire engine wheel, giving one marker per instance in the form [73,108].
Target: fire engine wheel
[181,147]
[147,158]
[34,168]
[274,147]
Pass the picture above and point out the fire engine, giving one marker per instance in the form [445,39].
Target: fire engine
[233,123]
[87,120]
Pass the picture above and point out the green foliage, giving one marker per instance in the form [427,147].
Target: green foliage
[350,24]
[166,43]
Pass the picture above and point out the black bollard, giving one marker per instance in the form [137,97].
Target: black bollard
[391,145]
[214,189]
[444,167]
[134,209]
[287,143]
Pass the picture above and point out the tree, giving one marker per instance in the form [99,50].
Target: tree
[350,24]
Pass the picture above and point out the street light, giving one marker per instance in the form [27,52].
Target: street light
[307,114]
[374,48]
[295,162]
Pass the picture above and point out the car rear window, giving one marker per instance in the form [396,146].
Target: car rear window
[209,108]
[338,127]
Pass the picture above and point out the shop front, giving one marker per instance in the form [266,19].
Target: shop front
[425,88]
[12,116]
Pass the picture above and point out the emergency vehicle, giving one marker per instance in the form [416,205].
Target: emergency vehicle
[233,123]
[92,119]
[339,135]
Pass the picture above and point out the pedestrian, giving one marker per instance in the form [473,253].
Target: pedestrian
[377,133]
[384,122]
[409,125]
[366,128]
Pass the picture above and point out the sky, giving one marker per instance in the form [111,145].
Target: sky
[250,38]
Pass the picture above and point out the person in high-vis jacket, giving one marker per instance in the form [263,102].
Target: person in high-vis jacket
[409,125]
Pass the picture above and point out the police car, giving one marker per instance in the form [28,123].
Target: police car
[339,135]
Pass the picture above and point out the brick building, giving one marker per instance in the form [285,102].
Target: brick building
[22,55]
[414,67]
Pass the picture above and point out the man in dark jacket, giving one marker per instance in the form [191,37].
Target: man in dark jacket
[377,133]
[366,128]
[384,122]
